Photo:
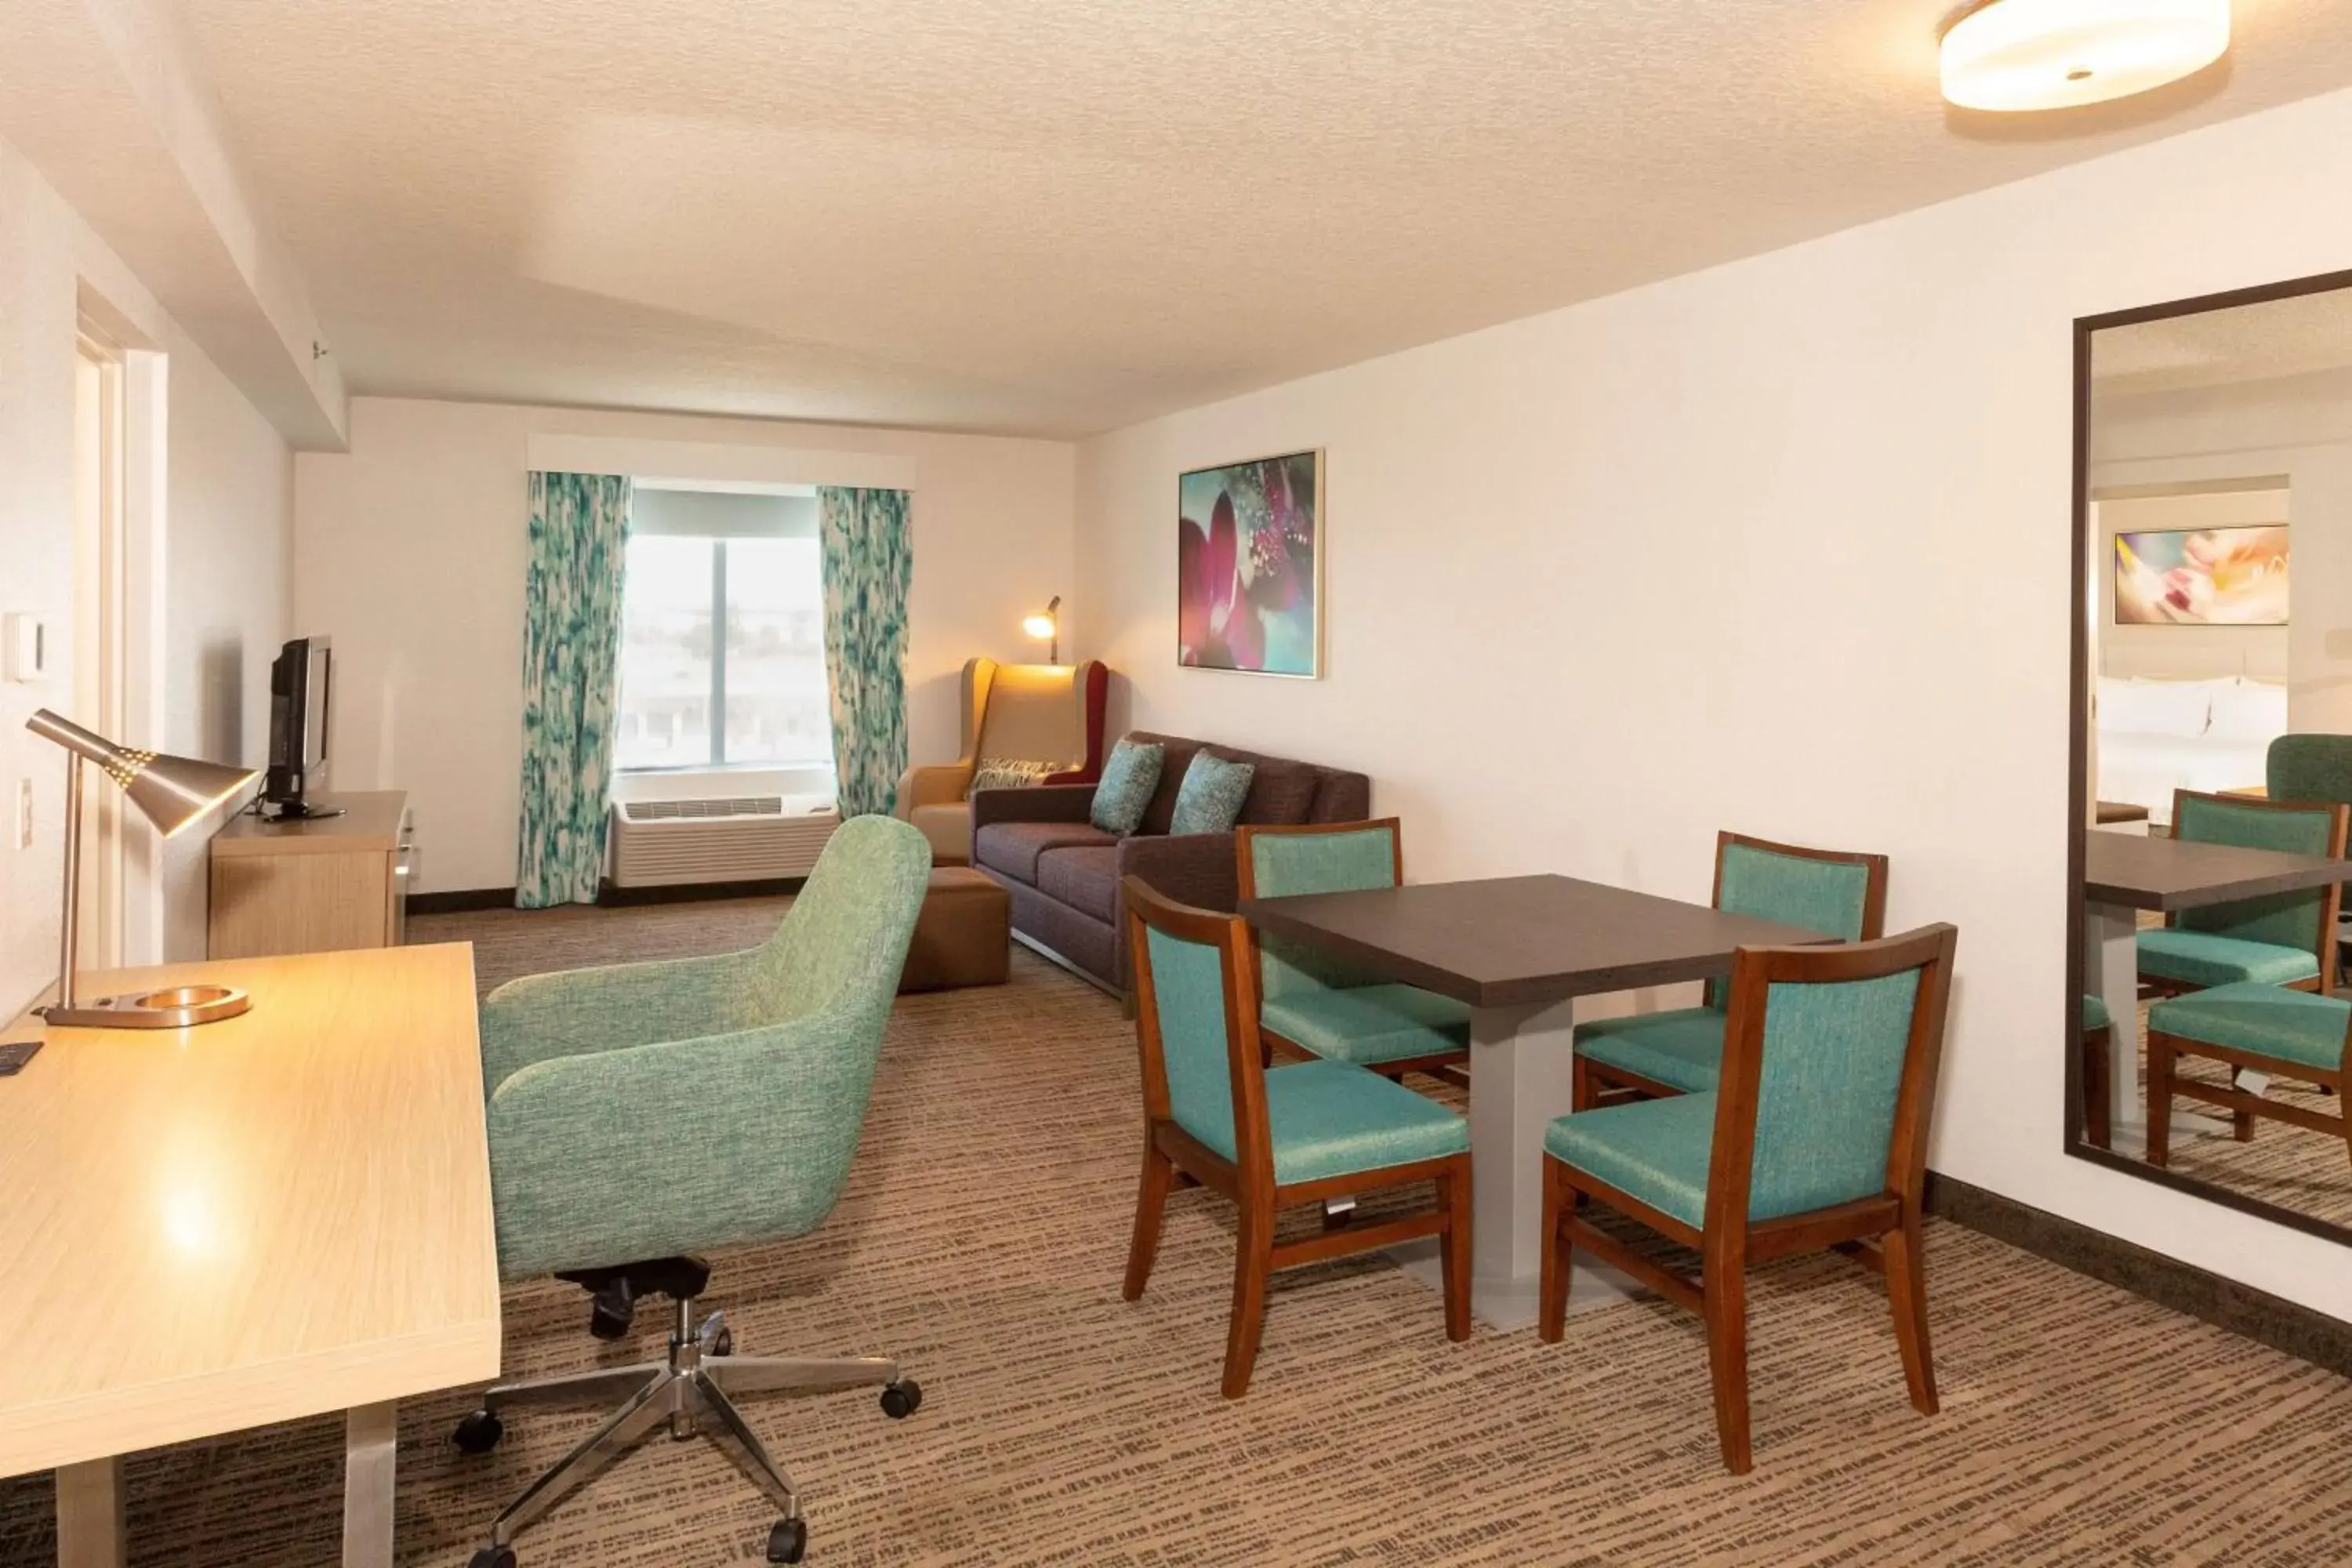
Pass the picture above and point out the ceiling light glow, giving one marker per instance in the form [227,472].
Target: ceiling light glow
[2018,55]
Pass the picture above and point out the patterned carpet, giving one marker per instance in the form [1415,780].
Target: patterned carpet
[982,1240]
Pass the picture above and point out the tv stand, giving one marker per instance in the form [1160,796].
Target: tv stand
[300,811]
[337,879]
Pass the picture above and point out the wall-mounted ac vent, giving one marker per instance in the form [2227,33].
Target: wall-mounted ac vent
[742,838]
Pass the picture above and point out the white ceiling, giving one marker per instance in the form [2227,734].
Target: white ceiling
[1055,216]
[2303,335]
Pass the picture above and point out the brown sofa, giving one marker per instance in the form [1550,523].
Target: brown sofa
[1063,874]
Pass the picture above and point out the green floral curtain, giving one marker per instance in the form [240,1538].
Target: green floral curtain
[868,566]
[570,658]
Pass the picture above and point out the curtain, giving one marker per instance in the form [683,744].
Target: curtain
[867,565]
[570,658]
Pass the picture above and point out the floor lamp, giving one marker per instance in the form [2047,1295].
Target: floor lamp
[174,793]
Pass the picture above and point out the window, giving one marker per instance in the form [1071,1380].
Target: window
[723,636]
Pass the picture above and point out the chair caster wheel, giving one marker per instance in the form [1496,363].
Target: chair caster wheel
[479,1434]
[716,1338]
[902,1399]
[787,1542]
[492,1557]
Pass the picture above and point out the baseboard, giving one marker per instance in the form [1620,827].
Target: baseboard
[611,897]
[461,900]
[2258,1315]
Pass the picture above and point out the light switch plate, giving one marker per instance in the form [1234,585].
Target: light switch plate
[28,646]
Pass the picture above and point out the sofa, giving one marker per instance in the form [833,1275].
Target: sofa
[1012,712]
[1063,874]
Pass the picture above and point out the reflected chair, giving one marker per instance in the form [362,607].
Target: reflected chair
[644,1112]
[2252,1029]
[1269,1138]
[2313,767]
[2098,1083]
[1815,1136]
[1319,1004]
[1679,1051]
[2283,939]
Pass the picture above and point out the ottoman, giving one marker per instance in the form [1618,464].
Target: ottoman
[964,935]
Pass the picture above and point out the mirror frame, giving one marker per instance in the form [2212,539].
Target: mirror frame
[2078,613]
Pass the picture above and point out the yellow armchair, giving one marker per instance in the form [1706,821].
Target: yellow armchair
[1011,713]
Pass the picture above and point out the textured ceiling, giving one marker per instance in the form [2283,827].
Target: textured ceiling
[2304,335]
[1055,216]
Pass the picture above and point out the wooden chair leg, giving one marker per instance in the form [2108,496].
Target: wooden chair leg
[2098,1129]
[1551,1301]
[1907,1290]
[1579,1085]
[1151,1208]
[1453,1260]
[2159,1099]
[1253,1262]
[1726,1295]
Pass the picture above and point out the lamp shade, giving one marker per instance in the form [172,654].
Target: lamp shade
[172,793]
[2015,55]
[1046,623]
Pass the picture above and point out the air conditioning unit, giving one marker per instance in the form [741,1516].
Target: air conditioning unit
[739,838]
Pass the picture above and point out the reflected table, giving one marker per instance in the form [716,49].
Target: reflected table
[1519,952]
[2123,875]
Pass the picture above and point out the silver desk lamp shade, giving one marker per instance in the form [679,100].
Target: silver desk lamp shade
[174,793]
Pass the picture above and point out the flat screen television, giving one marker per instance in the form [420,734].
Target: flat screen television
[301,682]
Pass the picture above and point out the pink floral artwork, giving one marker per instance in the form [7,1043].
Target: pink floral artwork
[1247,539]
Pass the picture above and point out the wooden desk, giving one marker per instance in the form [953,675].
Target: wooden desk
[2121,877]
[1518,951]
[253,1221]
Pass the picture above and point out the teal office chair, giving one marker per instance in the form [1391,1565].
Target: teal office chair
[1215,1114]
[2313,767]
[1814,1136]
[1319,1004]
[1680,1051]
[644,1112]
[2285,939]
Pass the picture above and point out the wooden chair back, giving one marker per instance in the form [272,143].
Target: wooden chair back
[1196,1028]
[2302,920]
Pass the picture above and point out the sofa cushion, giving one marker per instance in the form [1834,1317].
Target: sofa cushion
[1282,793]
[1086,878]
[1012,847]
[1177,759]
[1210,800]
[1128,780]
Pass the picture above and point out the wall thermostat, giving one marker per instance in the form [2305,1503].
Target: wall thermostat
[28,646]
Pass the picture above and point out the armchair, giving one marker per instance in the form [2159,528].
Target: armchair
[647,1110]
[1012,712]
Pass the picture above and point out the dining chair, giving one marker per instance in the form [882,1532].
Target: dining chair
[2271,1030]
[1815,1136]
[2313,767]
[1269,1138]
[1679,1051]
[2098,1040]
[2282,939]
[1316,1004]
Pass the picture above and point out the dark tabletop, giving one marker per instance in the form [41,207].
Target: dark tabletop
[2140,873]
[1516,942]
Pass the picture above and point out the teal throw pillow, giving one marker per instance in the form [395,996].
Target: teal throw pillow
[1211,795]
[1128,781]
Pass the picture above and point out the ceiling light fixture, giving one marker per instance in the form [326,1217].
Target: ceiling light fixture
[2015,55]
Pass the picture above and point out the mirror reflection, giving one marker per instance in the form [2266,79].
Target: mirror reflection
[2218,613]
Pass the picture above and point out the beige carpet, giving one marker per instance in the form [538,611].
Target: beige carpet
[982,1240]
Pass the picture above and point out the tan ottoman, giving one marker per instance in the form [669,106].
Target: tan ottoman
[964,935]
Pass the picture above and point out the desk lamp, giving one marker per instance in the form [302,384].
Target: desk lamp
[174,793]
[1046,628]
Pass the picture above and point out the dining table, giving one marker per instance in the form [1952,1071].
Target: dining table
[2123,874]
[1530,956]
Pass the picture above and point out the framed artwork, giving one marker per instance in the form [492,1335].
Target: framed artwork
[2203,577]
[1249,566]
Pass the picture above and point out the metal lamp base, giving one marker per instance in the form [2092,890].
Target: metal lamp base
[167,1007]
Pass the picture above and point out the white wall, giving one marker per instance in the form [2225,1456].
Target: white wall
[1780,547]
[225,492]
[410,554]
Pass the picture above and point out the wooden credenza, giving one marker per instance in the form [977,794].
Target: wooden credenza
[312,886]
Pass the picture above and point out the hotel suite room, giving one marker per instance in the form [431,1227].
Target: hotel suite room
[1682,793]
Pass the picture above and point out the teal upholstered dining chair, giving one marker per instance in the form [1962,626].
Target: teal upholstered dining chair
[2250,1028]
[2313,767]
[1814,1136]
[1320,1006]
[1679,1051]
[647,1112]
[2285,939]
[1267,1138]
